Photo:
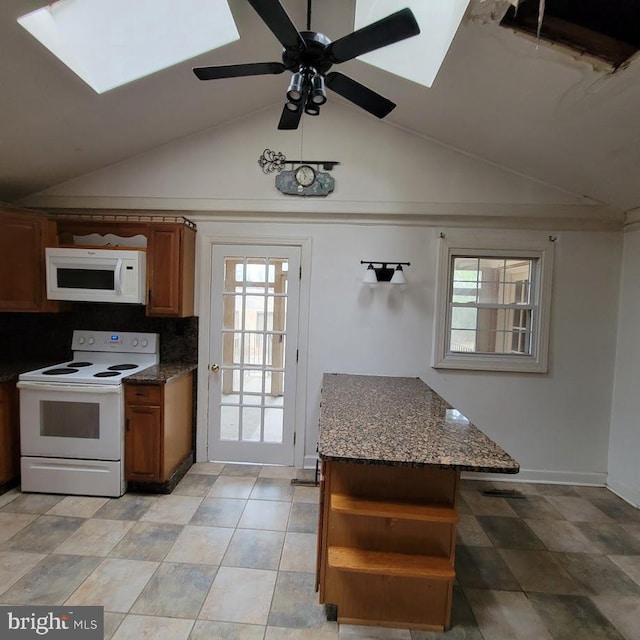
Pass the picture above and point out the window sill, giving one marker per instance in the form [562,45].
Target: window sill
[482,362]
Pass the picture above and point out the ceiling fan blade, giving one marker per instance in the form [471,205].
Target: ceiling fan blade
[290,120]
[398,26]
[239,70]
[277,19]
[357,93]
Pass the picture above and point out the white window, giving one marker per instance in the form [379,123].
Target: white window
[493,303]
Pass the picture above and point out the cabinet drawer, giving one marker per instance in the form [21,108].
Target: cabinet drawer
[143,394]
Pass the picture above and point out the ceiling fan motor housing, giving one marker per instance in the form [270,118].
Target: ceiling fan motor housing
[314,56]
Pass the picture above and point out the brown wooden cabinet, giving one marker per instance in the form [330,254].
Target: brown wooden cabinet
[386,544]
[171,270]
[9,434]
[158,428]
[170,257]
[23,238]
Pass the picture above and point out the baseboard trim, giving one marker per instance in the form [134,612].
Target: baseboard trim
[310,461]
[543,476]
[627,493]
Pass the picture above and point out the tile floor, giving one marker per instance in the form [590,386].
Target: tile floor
[230,554]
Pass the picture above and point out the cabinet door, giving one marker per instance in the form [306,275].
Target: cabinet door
[171,270]
[142,443]
[9,433]
[22,240]
[164,272]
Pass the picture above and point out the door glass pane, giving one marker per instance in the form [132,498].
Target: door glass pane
[253,349]
[233,272]
[269,318]
[229,422]
[230,382]
[231,347]
[273,425]
[274,383]
[70,419]
[275,352]
[254,313]
[252,380]
[251,421]
[256,270]
[232,312]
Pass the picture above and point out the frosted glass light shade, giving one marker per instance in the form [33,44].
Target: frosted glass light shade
[398,276]
[370,276]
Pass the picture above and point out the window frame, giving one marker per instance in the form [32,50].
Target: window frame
[462,245]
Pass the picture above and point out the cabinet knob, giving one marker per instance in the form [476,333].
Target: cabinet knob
[215,368]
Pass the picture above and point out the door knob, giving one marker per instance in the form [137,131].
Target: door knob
[215,367]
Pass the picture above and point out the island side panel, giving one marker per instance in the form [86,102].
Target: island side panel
[403,514]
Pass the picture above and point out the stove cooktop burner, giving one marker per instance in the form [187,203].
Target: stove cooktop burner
[59,371]
[122,367]
[79,364]
[106,374]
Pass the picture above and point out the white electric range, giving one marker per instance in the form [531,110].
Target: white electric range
[72,414]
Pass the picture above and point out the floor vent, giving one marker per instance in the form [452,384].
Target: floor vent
[503,493]
[305,483]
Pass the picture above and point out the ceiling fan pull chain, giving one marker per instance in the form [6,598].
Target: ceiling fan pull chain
[541,8]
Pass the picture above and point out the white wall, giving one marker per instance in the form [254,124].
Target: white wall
[624,447]
[382,169]
[556,424]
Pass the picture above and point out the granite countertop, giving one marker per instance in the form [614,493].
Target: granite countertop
[401,421]
[160,373]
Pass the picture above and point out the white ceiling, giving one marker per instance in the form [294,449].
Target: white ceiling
[499,96]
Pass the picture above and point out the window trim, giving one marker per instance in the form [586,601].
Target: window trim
[499,247]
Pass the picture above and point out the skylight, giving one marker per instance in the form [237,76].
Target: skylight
[419,58]
[109,43]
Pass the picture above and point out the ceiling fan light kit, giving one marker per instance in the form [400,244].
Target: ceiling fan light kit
[309,56]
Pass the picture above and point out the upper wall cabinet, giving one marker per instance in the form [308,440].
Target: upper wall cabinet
[171,246]
[171,270]
[23,238]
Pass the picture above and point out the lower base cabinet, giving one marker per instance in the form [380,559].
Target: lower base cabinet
[158,428]
[386,544]
[9,435]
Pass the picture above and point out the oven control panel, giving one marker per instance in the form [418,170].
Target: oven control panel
[115,341]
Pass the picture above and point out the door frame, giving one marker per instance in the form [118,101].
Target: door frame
[203,278]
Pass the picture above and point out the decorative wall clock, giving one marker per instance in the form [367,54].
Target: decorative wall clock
[303,179]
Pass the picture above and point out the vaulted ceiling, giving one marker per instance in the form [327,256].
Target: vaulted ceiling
[536,109]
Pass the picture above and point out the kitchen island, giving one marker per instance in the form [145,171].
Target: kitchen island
[392,451]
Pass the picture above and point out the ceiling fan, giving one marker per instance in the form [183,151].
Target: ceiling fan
[310,55]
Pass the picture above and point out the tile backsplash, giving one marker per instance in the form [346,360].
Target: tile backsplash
[43,336]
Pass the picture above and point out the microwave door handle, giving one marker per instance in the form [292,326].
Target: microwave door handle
[118,277]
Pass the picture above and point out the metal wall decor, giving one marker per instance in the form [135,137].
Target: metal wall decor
[303,179]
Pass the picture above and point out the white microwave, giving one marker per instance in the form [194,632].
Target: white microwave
[85,274]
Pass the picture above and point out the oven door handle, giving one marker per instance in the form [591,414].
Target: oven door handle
[117,282]
[82,388]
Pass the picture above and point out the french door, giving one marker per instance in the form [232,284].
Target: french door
[253,344]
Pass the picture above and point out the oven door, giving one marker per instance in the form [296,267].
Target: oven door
[71,420]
